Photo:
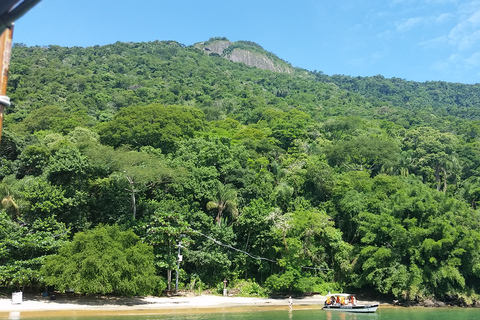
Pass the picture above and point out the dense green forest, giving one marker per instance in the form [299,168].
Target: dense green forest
[112,155]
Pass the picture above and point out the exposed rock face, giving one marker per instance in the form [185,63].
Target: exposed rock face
[250,58]
[216,47]
[256,60]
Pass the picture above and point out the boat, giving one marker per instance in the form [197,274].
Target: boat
[346,302]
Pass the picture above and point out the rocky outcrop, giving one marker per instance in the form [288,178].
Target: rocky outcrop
[258,60]
[433,303]
[255,58]
[215,47]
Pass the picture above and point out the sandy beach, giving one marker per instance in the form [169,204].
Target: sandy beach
[36,305]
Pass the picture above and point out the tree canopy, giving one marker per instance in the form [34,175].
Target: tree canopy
[111,155]
[104,259]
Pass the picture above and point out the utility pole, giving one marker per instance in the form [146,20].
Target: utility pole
[5,54]
[179,258]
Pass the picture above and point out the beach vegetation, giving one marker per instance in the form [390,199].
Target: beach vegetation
[112,156]
[103,260]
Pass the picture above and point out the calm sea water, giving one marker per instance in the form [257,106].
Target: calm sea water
[381,314]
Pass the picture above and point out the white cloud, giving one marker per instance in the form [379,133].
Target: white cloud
[429,13]
[473,60]
[466,33]
[461,40]
[436,42]
[459,66]
[443,17]
[422,21]
[429,2]
[440,1]
[409,23]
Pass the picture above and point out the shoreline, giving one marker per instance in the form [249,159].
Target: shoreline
[33,305]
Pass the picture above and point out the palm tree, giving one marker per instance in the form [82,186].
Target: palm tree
[225,201]
[405,163]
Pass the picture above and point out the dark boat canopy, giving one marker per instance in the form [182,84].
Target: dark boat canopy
[11,10]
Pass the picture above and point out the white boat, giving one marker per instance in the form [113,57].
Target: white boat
[347,303]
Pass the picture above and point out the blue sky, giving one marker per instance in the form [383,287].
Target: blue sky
[419,40]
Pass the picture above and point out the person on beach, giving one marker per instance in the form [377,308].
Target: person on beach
[290,302]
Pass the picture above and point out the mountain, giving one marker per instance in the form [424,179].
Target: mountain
[373,181]
[246,52]
[442,98]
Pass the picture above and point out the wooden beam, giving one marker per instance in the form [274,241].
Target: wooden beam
[5,53]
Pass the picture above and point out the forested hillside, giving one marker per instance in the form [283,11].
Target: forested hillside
[112,155]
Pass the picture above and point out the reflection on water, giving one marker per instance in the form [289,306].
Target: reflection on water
[14,315]
[252,313]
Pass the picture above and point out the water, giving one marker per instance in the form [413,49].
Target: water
[387,313]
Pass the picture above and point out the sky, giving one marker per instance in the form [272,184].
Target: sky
[415,40]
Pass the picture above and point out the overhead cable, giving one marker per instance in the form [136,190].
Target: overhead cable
[248,254]
[233,248]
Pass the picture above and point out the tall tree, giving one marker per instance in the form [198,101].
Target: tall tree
[164,230]
[142,170]
[225,201]
[106,260]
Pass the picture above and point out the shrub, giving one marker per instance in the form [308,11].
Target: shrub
[250,288]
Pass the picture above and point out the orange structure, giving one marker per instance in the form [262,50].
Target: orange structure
[5,53]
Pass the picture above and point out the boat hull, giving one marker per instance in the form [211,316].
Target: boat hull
[368,308]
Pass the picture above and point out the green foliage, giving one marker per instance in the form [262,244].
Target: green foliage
[51,118]
[103,260]
[326,183]
[442,98]
[225,201]
[161,286]
[213,263]
[249,288]
[66,165]
[24,248]
[215,39]
[11,146]
[363,153]
[33,159]
[153,125]
[165,231]
[287,281]
[326,287]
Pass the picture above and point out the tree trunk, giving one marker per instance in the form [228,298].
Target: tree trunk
[132,190]
[437,177]
[169,279]
[285,240]
[219,215]
[444,180]
[246,261]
